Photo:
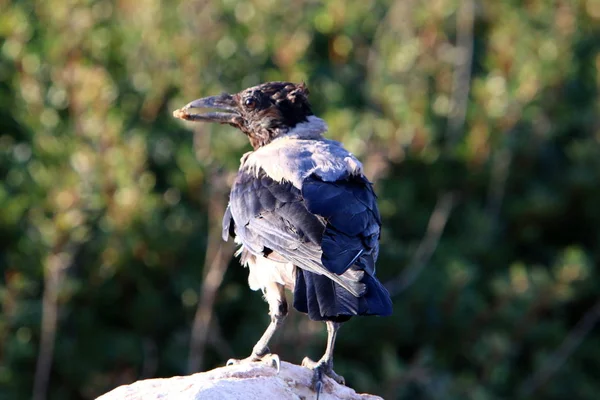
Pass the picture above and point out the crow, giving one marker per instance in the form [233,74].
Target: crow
[303,213]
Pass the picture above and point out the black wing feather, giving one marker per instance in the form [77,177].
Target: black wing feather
[350,209]
[329,229]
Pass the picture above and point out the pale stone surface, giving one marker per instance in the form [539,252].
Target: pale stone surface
[243,381]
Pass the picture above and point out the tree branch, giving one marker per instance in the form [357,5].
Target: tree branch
[56,266]
[435,228]
[560,356]
[462,72]
[218,255]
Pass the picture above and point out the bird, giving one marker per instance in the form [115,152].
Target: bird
[303,213]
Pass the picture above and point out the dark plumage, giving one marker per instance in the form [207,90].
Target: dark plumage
[304,214]
[307,228]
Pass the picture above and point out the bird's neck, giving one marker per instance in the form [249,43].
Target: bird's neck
[312,128]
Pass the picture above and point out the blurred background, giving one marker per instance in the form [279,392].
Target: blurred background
[478,121]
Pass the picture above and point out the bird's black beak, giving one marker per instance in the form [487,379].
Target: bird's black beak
[223,102]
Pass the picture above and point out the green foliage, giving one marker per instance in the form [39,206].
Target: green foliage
[106,201]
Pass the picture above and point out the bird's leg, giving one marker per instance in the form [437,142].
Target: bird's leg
[325,365]
[278,309]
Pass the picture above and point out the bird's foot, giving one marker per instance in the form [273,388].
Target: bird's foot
[320,368]
[264,357]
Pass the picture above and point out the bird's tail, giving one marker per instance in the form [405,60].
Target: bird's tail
[323,299]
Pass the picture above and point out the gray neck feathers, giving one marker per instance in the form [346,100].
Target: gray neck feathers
[314,128]
[300,153]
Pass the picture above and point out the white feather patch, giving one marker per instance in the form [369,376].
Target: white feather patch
[264,272]
[303,152]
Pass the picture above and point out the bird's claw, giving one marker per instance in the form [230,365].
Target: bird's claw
[320,368]
[232,361]
[273,360]
[270,359]
[319,388]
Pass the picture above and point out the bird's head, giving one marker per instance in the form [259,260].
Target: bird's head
[262,112]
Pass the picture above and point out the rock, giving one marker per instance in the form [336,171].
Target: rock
[243,381]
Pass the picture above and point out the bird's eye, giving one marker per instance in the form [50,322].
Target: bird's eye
[250,102]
